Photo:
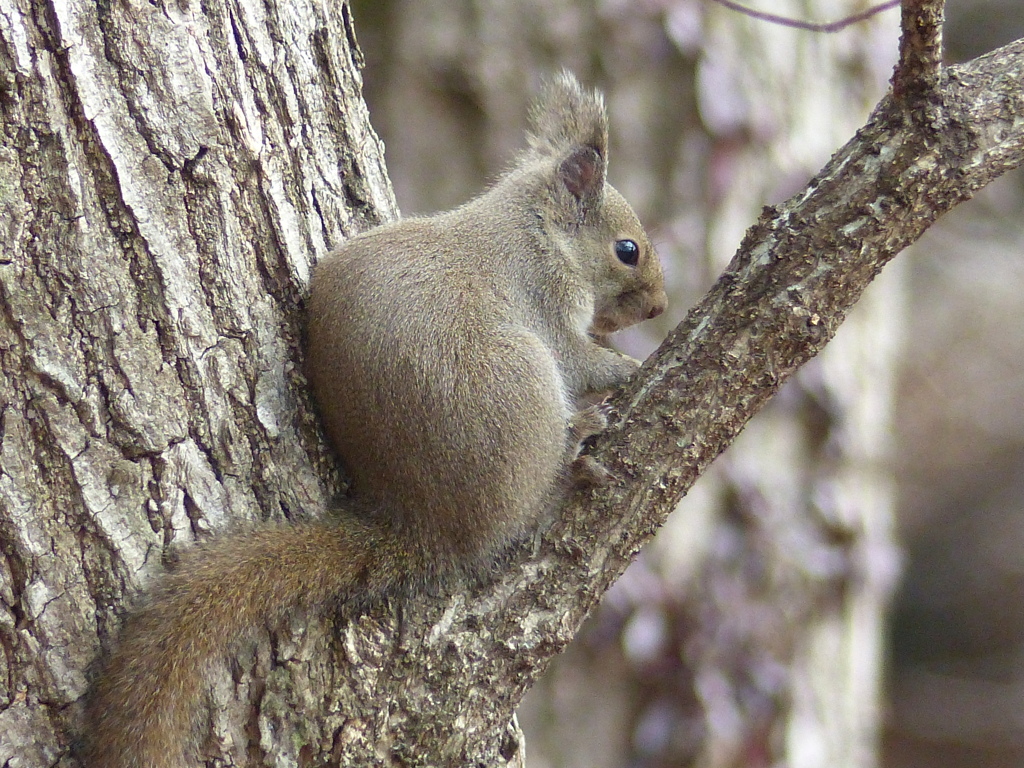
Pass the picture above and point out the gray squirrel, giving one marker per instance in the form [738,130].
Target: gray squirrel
[454,359]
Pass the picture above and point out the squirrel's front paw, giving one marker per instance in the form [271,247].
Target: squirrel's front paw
[613,370]
[625,366]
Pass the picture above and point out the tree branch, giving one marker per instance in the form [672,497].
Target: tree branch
[810,26]
[797,273]
[802,267]
[781,299]
[919,69]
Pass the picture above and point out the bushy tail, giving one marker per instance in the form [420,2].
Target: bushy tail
[142,708]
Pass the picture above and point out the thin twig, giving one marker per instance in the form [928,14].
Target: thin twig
[811,26]
[920,65]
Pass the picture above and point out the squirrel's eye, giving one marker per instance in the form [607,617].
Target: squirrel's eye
[628,252]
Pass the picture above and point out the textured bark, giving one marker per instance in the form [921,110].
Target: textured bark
[169,174]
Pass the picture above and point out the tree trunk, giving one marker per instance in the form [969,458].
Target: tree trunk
[170,174]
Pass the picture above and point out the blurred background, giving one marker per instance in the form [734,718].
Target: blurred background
[846,586]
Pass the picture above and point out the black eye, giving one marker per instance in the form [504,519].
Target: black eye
[628,252]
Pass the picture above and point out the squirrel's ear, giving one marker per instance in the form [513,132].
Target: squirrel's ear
[582,173]
[569,125]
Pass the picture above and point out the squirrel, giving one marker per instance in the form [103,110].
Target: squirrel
[455,359]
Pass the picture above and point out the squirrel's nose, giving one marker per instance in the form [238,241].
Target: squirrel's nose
[657,307]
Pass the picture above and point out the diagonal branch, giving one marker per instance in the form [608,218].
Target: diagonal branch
[781,299]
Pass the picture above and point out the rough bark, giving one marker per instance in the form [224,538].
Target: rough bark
[170,172]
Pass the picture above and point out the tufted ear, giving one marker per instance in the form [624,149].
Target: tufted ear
[567,116]
[569,130]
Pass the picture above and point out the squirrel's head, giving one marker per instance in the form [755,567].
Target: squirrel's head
[628,283]
[597,228]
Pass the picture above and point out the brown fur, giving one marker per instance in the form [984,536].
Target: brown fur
[450,356]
